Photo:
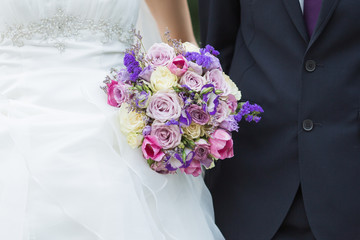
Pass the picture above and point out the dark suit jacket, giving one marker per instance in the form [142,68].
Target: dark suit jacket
[310,132]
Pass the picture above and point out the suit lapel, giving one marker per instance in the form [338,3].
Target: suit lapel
[294,11]
[327,9]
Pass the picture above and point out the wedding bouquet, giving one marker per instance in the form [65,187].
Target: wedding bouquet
[177,104]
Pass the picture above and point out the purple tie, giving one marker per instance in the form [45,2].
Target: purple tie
[311,14]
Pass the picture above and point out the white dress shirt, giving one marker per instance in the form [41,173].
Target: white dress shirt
[302,5]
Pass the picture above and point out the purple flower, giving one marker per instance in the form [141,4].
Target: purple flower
[206,58]
[168,136]
[198,115]
[193,81]
[209,49]
[142,99]
[249,112]
[202,151]
[133,66]
[146,130]
[173,163]
[211,99]
[123,76]
[214,62]
[146,73]
[257,119]
[249,118]
[160,167]
[176,161]
[185,118]
[230,124]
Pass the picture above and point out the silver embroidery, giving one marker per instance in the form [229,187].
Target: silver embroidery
[62,27]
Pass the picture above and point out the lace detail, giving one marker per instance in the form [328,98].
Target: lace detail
[62,27]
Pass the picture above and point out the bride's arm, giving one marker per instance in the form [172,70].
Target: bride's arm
[173,15]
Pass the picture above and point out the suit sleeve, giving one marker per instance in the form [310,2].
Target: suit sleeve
[220,22]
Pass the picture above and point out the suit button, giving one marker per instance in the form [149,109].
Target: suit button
[310,65]
[308,125]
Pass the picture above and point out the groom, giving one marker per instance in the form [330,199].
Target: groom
[296,174]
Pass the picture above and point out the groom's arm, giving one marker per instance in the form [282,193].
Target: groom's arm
[221,26]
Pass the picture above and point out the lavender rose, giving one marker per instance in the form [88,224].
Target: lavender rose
[202,151]
[168,136]
[216,78]
[193,81]
[222,112]
[164,106]
[198,115]
[160,54]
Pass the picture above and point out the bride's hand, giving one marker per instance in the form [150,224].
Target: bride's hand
[173,15]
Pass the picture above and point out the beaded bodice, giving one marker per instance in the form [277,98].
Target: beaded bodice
[57,22]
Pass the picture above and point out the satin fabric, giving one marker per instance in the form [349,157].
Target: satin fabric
[65,170]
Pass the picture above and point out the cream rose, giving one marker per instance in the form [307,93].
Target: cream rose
[189,47]
[193,131]
[162,79]
[234,90]
[130,122]
[135,140]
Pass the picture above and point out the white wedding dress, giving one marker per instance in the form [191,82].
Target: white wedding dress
[65,171]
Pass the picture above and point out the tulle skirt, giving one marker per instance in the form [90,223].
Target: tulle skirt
[67,173]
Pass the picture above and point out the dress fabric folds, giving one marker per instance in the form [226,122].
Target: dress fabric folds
[66,173]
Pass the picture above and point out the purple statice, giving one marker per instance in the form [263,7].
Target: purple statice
[230,124]
[249,118]
[256,108]
[256,119]
[250,112]
[132,65]
[206,58]
[209,49]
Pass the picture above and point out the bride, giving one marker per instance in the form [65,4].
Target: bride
[65,171]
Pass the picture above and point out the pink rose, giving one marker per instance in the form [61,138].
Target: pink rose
[193,81]
[151,149]
[178,65]
[198,115]
[194,168]
[221,144]
[160,54]
[117,93]
[216,78]
[167,136]
[202,151]
[164,106]
[222,112]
